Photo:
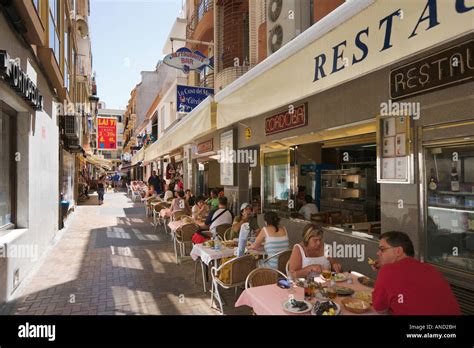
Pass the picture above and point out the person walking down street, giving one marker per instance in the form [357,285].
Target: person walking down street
[101,184]
[116,180]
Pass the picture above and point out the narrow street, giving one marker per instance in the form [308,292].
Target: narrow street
[110,261]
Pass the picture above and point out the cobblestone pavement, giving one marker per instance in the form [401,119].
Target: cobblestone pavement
[111,261]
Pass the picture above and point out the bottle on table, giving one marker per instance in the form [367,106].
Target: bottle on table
[454,178]
[217,242]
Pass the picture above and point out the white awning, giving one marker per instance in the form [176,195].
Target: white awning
[341,47]
[99,162]
[199,122]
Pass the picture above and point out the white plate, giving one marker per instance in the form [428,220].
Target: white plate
[343,277]
[338,310]
[289,308]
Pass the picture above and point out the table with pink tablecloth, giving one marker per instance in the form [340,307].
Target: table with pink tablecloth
[165,213]
[269,299]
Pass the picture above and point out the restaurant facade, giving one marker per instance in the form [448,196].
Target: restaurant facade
[363,115]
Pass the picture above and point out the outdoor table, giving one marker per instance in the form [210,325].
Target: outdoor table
[208,255]
[269,299]
[165,213]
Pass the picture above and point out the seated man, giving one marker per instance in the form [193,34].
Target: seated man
[404,285]
[220,216]
[308,207]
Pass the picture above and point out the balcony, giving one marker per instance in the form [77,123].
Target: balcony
[203,7]
[229,75]
[201,24]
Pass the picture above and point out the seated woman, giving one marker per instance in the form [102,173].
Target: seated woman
[308,256]
[150,192]
[275,237]
[135,186]
[180,204]
[200,210]
[169,192]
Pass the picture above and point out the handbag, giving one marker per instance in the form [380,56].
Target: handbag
[199,238]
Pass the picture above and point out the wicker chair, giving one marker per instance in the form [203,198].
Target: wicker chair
[156,215]
[321,218]
[183,237]
[222,229]
[283,257]
[228,234]
[358,218]
[240,268]
[177,215]
[263,276]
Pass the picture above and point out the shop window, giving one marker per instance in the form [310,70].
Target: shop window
[277,181]
[6,178]
[450,206]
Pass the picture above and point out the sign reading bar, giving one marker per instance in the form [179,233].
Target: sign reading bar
[188,97]
[186,60]
[452,66]
[205,146]
[107,133]
[290,119]
[11,71]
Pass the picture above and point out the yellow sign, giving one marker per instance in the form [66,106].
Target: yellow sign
[248,133]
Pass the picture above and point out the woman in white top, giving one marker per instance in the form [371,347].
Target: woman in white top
[308,256]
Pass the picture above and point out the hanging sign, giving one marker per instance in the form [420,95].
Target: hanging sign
[188,97]
[107,133]
[186,60]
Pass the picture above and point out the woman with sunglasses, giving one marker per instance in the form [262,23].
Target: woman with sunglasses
[308,256]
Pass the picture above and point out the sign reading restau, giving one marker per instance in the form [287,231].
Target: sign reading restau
[286,120]
[205,146]
[189,97]
[186,60]
[107,133]
[443,69]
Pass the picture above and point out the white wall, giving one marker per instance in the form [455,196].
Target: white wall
[37,171]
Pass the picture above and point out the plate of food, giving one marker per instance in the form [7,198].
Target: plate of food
[326,308]
[209,244]
[366,281]
[230,244]
[344,291]
[339,277]
[364,296]
[356,305]
[298,307]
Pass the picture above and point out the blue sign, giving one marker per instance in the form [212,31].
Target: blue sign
[188,97]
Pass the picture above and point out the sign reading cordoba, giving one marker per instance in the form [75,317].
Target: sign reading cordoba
[186,60]
[291,118]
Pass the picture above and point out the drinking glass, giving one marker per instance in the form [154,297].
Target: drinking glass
[326,273]
[292,283]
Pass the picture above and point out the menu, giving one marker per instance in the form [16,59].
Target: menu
[394,155]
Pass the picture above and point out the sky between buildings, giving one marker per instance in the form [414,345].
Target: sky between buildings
[127,37]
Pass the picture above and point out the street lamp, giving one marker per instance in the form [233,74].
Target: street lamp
[94,100]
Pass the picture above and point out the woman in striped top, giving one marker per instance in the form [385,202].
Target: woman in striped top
[275,237]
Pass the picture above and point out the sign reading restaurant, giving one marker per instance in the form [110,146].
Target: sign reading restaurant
[292,118]
[446,68]
[11,71]
[390,27]
[205,146]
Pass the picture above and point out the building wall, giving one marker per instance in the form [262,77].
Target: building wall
[37,171]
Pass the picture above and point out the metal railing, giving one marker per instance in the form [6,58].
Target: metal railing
[203,7]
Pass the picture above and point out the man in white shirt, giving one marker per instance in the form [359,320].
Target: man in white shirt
[219,216]
[308,208]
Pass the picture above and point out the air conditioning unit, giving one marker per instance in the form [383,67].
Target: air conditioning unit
[286,19]
[71,126]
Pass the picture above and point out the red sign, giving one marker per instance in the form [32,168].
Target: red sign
[205,146]
[107,133]
[294,117]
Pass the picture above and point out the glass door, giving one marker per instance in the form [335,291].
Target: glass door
[449,226]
